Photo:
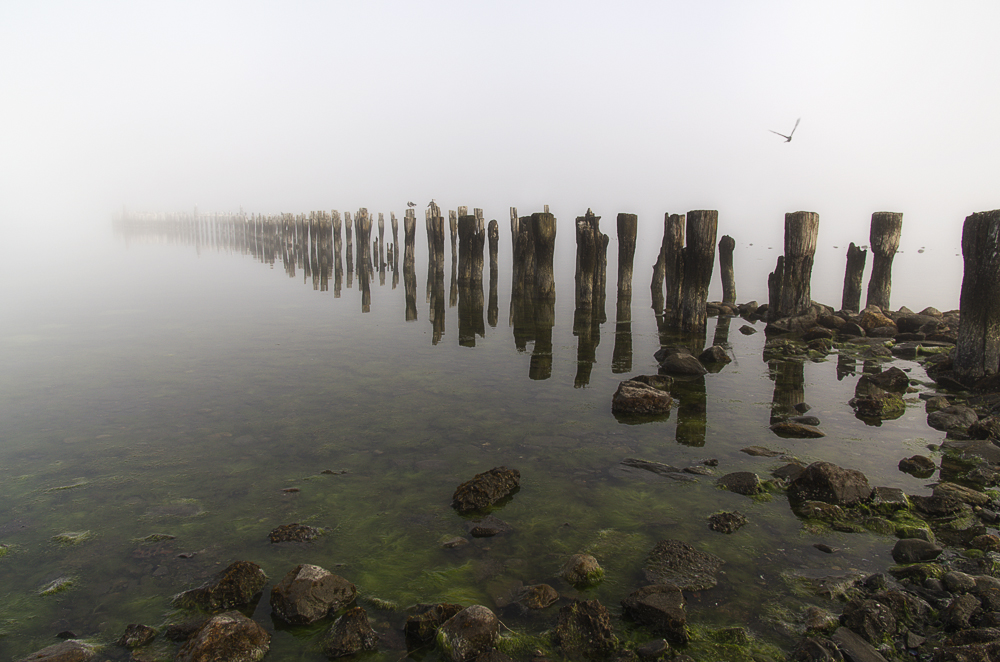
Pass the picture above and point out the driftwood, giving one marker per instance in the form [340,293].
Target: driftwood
[885,230]
[977,353]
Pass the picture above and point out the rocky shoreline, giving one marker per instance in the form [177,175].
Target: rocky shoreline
[940,602]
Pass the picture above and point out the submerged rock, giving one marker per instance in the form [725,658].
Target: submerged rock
[746,483]
[633,397]
[726,522]
[678,563]
[487,527]
[421,628]
[468,634]
[136,635]
[236,586]
[661,608]
[584,630]
[229,636]
[293,533]
[486,489]
[582,570]
[308,593]
[65,651]
[796,430]
[825,481]
[349,634]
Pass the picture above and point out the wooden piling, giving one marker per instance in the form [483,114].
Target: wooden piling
[591,254]
[699,259]
[853,275]
[885,230]
[543,227]
[726,247]
[673,264]
[409,261]
[793,295]
[493,306]
[628,225]
[977,353]
[659,274]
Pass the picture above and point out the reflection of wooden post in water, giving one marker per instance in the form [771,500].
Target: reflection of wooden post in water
[435,271]
[453,224]
[673,265]
[726,247]
[591,250]
[977,353]
[792,277]
[492,308]
[852,278]
[540,366]
[692,410]
[789,388]
[364,260]
[846,367]
[381,242]
[409,261]
[471,238]
[721,337]
[532,301]
[621,356]
[885,230]
[350,248]
[338,249]
[699,259]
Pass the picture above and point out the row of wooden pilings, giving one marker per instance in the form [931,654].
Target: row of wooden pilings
[681,275]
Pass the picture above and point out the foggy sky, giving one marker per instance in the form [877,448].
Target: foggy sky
[643,107]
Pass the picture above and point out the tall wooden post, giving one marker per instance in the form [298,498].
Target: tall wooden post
[673,257]
[659,273]
[977,353]
[338,249]
[726,246]
[699,258]
[853,275]
[628,225]
[543,227]
[885,230]
[409,261]
[793,297]
[493,305]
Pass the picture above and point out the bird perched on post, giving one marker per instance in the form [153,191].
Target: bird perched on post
[431,202]
[788,138]
[411,204]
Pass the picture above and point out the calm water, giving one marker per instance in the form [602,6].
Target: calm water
[160,388]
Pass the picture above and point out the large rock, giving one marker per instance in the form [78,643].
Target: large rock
[825,481]
[584,631]
[308,593]
[65,651]
[746,483]
[661,608]
[872,318]
[229,636]
[421,628]
[485,489]
[682,364]
[468,634]
[634,397]
[715,354]
[582,570]
[955,417]
[678,563]
[236,586]
[914,550]
[349,634]
[882,405]
[796,430]
[892,380]
[136,635]
[871,619]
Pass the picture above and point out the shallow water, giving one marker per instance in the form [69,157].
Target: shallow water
[156,388]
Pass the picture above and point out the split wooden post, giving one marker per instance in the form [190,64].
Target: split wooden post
[853,275]
[726,246]
[659,273]
[885,230]
[699,258]
[793,276]
[977,353]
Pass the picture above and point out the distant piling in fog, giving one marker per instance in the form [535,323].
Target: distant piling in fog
[885,230]
[726,247]
[853,275]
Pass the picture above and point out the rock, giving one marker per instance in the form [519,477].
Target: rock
[682,364]
[918,465]
[936,403]
[308,593]
[726,522]
[962,493]
[662,382]
[746,483]
[678,563]
[349,634]
[795,430]
[584,630]
[714,354]
[892,380]
[952,417]
[761,451]
[293,533]
[486,489]
[958,615]
[974,448]
[747,330]
[538,596]
[788,472]
[136,635]
[229,636]
[582,570]
[958,582]
[825,481]
[852,329]
[236,586]
[854,647]
[914,550]
[870,619]
[879,405]
[872,318]
[65,651]
[805,420]
[467,634]
[985,428]
[421,628]
[986,542]
[814,649]
[940,507]
[918,323]
[661,608]
[653,649]
[487,527]
[633,397]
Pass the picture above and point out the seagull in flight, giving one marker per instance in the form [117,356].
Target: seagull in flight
[788,138]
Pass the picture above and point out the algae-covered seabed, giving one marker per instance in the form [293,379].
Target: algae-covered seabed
[192,396]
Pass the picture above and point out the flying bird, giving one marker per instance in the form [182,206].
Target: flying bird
[788,138]
[411,204]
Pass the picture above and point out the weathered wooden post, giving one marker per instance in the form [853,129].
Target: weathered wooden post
[470,245]
[471,239]
[409,261]
[977,353]
[885,230]
[381,242]
[543,227]
[522,241]
[659,274]
[793,295]
[628,225]
[856,258]
[338,249]
[726,246]
[493,306]
[350,248]
[591,258]
[673,261]
[699,258]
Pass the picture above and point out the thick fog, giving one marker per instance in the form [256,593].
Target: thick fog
[643,107]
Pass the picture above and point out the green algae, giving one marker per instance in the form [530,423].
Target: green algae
[72,538]
[58,585]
